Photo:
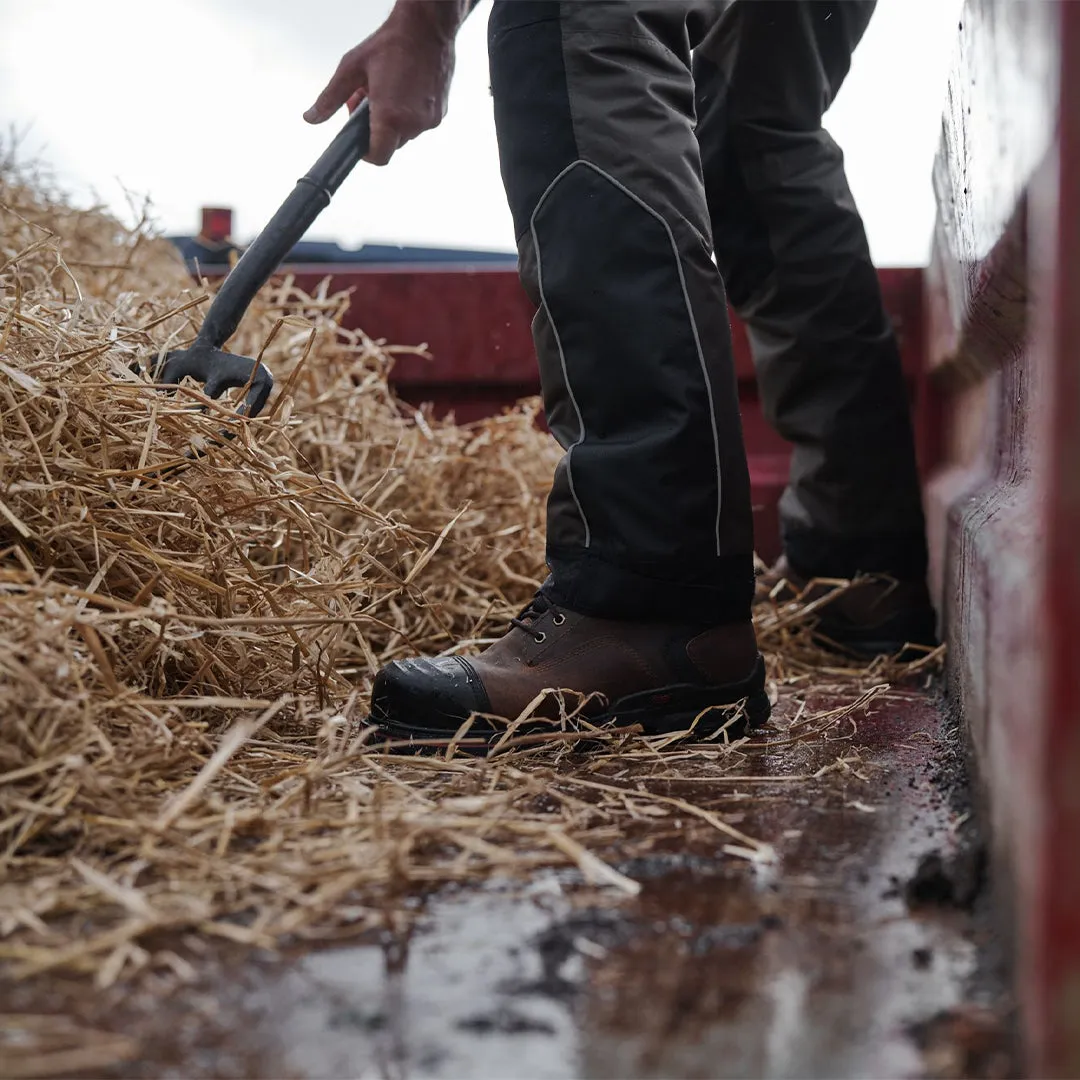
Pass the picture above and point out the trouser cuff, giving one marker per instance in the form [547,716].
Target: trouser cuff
[590,585]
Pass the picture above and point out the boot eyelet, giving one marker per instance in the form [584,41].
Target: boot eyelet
[540,637]
[559,619]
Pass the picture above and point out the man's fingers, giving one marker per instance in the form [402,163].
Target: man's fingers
[348,80]
[385,139]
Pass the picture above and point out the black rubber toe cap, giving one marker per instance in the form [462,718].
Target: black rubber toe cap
[427,697]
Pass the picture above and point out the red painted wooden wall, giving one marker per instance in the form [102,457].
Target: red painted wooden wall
[1004,511]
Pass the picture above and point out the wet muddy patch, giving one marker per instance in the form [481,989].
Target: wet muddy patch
[814,963]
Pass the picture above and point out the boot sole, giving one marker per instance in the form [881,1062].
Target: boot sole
[873,642]
[717,714]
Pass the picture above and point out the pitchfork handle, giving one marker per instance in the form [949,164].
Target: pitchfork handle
[294,217]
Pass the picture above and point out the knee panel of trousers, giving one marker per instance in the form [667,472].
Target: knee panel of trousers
[644,464]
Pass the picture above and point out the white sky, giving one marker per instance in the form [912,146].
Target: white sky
[199,102]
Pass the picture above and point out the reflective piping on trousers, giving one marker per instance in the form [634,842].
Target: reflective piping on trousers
[689,314]
[562,356]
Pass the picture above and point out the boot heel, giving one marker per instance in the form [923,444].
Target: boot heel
[758,709]
[678,708]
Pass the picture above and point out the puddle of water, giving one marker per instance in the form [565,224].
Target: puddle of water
[803,969]
[436,1007]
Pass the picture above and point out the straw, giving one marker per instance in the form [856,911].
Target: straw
[187,644]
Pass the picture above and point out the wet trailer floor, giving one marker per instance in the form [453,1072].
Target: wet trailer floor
[867,948]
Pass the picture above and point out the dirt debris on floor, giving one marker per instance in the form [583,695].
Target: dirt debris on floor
[188,792]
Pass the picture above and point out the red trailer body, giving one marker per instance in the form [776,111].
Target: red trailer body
[475,321]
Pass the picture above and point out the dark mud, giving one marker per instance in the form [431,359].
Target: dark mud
[867,949]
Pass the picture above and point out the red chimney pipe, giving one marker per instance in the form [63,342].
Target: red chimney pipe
[216,224]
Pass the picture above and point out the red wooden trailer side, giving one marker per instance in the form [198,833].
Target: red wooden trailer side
[1004,510]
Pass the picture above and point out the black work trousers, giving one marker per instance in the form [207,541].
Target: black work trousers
[634,138]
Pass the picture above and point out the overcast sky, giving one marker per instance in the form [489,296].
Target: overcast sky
[199,102]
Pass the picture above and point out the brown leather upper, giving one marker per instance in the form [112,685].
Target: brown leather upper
[562,650]
[866,602]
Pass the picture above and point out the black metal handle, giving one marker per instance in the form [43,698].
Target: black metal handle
[204,360]
[294,217]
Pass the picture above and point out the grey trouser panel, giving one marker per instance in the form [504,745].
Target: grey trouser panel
[615,204]
[793,253]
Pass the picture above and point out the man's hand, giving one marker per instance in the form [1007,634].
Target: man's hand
[403,69]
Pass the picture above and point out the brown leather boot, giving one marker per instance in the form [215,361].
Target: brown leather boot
[661,676]
[874,615]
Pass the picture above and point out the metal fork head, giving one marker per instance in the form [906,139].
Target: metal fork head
[219,371]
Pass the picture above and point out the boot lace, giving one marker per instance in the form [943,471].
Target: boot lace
[537,606]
